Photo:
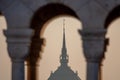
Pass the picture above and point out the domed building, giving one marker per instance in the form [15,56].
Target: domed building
[64,72]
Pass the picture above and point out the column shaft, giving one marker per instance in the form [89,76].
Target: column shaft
[17,70]
[92,71]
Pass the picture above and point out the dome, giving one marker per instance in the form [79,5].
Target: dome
[64,73]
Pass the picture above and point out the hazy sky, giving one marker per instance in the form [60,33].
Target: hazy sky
[54,36]
[52,50]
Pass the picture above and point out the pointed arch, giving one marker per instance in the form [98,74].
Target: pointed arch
[43,15]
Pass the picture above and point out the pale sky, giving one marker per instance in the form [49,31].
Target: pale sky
[52,50]
[54,36]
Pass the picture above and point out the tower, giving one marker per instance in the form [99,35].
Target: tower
[64,58]
[64,72]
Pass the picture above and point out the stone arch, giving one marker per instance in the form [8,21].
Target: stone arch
[40,17]
[47,12]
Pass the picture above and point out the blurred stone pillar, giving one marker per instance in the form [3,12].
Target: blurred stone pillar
[93,48]
[33,58]
[18,43]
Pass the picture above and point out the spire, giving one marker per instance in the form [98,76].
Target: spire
[64,57]
[64,43]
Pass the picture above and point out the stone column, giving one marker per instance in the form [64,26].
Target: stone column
[93,48]
[18,41]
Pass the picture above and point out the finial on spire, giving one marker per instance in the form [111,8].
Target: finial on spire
[64,44]
[64,25]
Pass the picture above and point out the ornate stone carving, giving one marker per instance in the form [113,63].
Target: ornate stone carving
[18,42]
[93,44]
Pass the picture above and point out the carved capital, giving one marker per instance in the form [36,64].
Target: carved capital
[93,44]
[18,41]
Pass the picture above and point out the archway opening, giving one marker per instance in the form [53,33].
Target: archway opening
[53,35]
[5,62]
[111,67]
[39,22]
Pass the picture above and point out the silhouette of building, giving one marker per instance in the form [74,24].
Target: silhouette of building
[64,72]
